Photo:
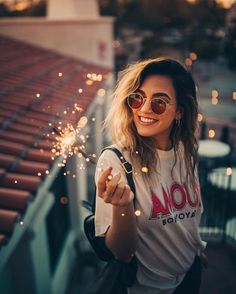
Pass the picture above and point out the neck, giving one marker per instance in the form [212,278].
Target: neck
[164,145]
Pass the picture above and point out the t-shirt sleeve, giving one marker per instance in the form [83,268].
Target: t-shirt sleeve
[103,211]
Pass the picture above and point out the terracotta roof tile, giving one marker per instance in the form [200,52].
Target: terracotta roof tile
[25,139]
[34,94]
[7,221]
[20,181]
[14,199]
[31,154]
[23,128]
[23,166]
[3,239]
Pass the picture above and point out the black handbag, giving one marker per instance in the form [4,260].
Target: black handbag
[116,276]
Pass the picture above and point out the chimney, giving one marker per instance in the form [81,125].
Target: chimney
[72,9]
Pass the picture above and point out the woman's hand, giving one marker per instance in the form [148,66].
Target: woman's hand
[112,190]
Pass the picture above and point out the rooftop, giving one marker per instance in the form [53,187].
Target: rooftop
[38,87]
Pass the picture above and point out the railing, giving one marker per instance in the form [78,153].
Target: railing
[218,190]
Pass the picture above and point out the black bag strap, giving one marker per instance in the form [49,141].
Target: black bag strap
[128,172]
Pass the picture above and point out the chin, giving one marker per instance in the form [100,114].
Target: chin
[146,133]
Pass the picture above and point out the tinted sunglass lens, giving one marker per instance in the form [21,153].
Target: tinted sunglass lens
[135,101]
[158,106]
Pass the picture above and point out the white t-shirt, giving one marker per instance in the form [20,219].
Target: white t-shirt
[168,222]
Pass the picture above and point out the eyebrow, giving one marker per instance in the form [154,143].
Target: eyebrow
[158,94]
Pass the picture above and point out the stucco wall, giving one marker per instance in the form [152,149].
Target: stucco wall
[90,40]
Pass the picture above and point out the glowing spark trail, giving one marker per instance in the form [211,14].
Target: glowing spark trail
[66,143]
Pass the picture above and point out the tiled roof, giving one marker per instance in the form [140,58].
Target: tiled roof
[37,86]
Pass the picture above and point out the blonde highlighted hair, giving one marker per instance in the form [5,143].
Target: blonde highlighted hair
[119,121]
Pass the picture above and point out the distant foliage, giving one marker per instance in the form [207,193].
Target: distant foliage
[197,23]
[35,10]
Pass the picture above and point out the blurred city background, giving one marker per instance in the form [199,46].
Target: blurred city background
[59,60]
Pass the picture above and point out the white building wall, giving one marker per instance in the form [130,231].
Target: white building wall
[67,9]
[89,40]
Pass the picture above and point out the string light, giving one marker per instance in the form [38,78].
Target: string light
[101,92]
[211,133]
[116,44]
[214,101]
[214,93]
[193,56]
[89,82]
[94,77]
[79,109]
[137,212]
[63,200]
[188,62]
[229,171]
[199,117]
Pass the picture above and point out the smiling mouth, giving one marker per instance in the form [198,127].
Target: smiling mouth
[147,120]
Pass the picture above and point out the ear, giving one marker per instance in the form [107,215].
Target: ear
[179,113]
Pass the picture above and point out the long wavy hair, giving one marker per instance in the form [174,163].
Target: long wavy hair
[119,121]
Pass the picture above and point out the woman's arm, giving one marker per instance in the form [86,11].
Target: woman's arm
[121,236]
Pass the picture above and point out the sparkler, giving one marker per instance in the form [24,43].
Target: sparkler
[67,143]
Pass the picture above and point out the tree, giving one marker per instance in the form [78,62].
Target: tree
[230,38]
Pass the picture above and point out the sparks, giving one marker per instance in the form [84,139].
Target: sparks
[67,142]
[144,169]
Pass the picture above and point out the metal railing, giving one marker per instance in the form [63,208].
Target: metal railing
[218,222]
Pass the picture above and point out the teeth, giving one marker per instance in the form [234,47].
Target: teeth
[148,120]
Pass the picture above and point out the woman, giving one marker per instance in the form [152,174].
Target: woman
[153,122]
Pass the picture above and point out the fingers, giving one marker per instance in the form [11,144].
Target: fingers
[122,195]
[115,197]
[112,185]
[103,178]
[112,190]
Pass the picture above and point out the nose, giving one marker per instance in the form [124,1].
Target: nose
[146,107]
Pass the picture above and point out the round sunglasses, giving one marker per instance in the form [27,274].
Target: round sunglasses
[158,105]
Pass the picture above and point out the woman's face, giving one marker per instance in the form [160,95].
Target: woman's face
[147,122]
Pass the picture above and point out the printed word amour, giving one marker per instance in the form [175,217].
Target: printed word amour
[174,198]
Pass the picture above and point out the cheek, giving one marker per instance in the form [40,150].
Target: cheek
[134,115]
[169,115]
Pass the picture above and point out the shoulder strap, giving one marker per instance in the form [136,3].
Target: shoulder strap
[128,172]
